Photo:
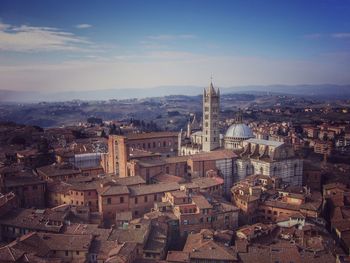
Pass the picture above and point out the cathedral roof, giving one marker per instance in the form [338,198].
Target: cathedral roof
[239,130]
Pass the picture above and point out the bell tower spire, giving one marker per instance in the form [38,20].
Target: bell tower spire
[211,115]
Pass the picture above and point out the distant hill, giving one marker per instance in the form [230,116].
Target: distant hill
[325,91]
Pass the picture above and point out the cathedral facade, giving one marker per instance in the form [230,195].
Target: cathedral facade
[254,156]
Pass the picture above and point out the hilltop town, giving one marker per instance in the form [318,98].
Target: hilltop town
[233,178]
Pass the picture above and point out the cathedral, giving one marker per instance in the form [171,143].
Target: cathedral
[254,156]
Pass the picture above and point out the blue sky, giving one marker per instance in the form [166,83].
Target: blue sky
[80,45]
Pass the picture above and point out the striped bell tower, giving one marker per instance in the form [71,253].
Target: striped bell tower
[211,115]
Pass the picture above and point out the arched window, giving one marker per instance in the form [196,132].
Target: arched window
[261,170]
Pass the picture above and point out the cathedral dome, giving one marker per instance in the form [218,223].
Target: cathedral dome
[239,131]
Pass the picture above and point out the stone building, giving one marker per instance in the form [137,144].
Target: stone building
[270,158]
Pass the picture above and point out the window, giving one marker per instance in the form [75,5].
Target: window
[109,200]
[66,253]
[146,199]
[155,197]
[164,143]
[185,222]
[121,199]
[167,169]
[154,145]
[81,194]
[35,187]
[89,193]
[89,203]
[77,252]
[136,200]
[149,145]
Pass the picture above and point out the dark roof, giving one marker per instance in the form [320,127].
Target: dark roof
[115,190]
[54,170]
[151,135]
[66,242]
[153,188]
[34,219]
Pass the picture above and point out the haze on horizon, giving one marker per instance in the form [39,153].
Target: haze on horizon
[91,45]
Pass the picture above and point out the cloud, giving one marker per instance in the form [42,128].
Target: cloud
[164,41]
[83,26]
[26,38]
[172,37]
[341,35]
[313,36]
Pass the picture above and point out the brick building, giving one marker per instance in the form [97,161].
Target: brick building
[120,148]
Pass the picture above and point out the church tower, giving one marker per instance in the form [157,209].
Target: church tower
[211,115]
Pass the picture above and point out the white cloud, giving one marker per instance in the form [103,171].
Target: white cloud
[313,36]
[334,35]
[341,35]
[172,37]
[83,26]
[35,39]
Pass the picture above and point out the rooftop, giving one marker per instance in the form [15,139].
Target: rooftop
[151,135]
[265,142]
[153,188]
[67,242]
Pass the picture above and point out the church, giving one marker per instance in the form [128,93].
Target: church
[254,156]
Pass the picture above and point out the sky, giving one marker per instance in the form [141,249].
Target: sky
[78,45]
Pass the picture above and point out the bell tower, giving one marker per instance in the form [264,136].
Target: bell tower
[211,115]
